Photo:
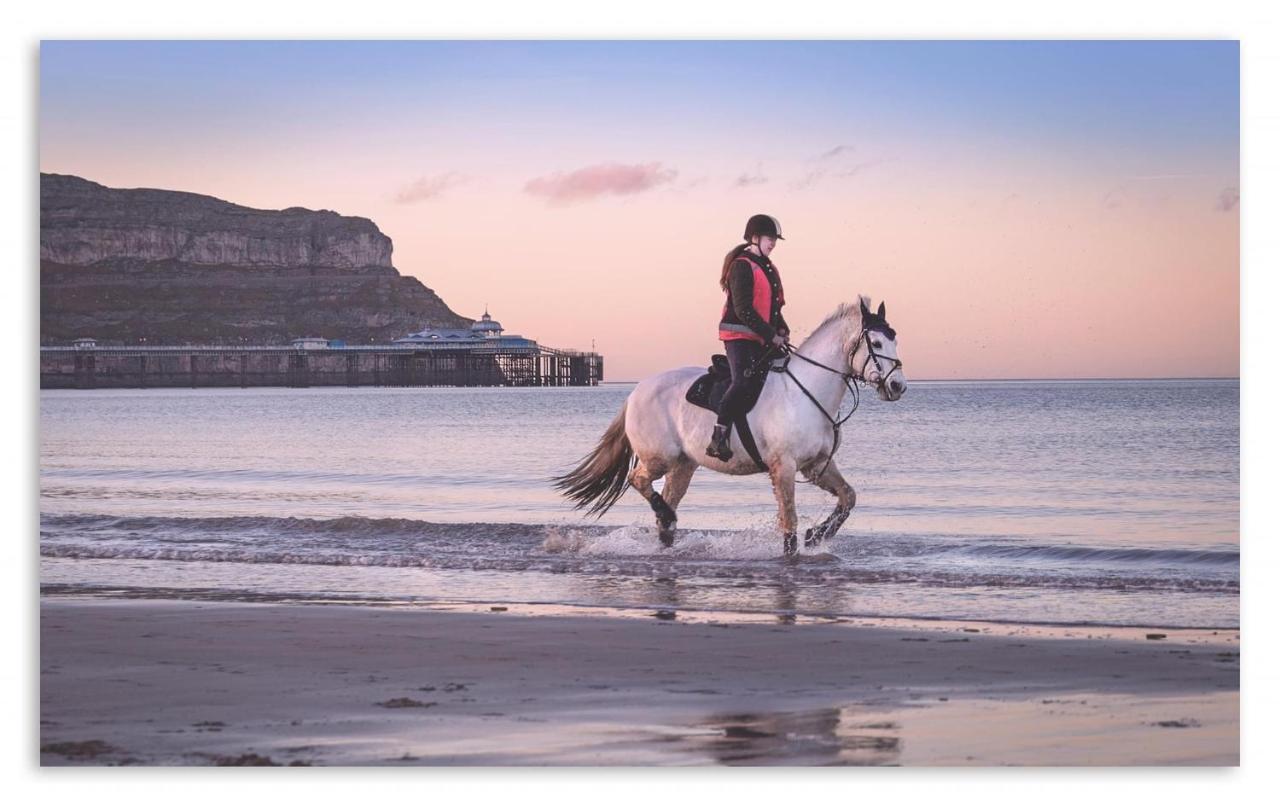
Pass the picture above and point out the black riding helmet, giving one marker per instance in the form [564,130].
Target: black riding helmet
[762,224]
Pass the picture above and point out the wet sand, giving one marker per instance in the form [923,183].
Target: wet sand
[163,682]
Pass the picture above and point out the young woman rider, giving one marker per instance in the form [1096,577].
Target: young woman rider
[751,323]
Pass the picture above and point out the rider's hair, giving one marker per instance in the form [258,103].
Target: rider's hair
[728,263]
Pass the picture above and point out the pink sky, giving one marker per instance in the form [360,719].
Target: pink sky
[999,253]
[1042,276]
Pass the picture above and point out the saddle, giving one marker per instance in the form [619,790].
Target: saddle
[708,391]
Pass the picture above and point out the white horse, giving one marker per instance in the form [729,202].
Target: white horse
[660,433]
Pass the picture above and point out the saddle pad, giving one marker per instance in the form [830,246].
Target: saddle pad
[707,392]
[709,388]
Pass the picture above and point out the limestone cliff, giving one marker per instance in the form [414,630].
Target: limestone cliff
[166,266]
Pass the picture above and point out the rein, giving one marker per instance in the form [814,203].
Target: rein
[851,380]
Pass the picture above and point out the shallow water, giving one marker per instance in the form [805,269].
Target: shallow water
[1075,502]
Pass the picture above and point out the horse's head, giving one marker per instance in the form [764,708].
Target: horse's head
[874,358]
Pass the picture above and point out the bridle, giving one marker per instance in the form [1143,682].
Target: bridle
[850,379]
[880,380]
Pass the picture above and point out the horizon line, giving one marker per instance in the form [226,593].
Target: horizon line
[1054,378]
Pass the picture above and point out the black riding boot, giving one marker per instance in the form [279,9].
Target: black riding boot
[719,445]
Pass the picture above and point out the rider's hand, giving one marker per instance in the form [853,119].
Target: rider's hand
[779,340]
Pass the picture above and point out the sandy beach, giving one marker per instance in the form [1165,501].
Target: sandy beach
[164,682]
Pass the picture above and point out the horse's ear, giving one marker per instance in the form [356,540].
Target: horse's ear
[862,302]
[880,313]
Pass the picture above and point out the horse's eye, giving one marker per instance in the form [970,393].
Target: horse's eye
[876,344]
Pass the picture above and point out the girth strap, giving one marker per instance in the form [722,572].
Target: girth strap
[749,442]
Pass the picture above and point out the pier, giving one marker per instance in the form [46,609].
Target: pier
[314,363]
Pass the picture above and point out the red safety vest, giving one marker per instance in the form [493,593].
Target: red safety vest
[761,301]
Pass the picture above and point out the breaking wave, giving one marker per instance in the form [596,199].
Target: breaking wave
[745,555]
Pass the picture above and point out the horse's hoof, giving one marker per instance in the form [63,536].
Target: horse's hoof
[666,516]
[667,537]
[789,544]
[810,540]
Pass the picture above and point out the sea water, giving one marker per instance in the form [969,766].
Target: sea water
[1078,502]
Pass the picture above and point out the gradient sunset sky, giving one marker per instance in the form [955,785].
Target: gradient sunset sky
[1025,209]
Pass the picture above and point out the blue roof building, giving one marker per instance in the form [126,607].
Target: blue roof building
[484,332]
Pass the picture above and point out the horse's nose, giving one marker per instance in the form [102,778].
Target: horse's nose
[897,387]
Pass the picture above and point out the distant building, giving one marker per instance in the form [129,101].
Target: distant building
[484,332]
[85,343]
[311,343]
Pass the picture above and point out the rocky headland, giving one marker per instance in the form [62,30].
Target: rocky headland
[127,266]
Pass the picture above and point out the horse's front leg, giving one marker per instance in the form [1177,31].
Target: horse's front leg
[832,482]
[782,473]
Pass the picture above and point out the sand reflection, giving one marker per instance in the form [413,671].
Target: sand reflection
[814,737]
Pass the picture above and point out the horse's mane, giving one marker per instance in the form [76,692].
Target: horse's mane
[842,313]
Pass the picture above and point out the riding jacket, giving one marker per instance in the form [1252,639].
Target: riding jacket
[753,305]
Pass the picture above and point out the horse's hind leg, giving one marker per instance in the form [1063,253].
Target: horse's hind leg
[677,483]
[641,478]
[832,482]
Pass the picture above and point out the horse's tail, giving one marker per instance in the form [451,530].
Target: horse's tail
[601,478]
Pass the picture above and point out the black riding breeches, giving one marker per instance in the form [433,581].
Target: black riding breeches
[743,355]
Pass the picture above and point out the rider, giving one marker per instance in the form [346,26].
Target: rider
[751,324]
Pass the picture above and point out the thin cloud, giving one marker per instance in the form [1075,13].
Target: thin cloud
[745,180]
[594,181]
[425,188]
[809,179]
[1228,200]
[817,175]
[835,152]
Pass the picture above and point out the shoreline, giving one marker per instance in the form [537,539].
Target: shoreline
[165,682]
[1170,634]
